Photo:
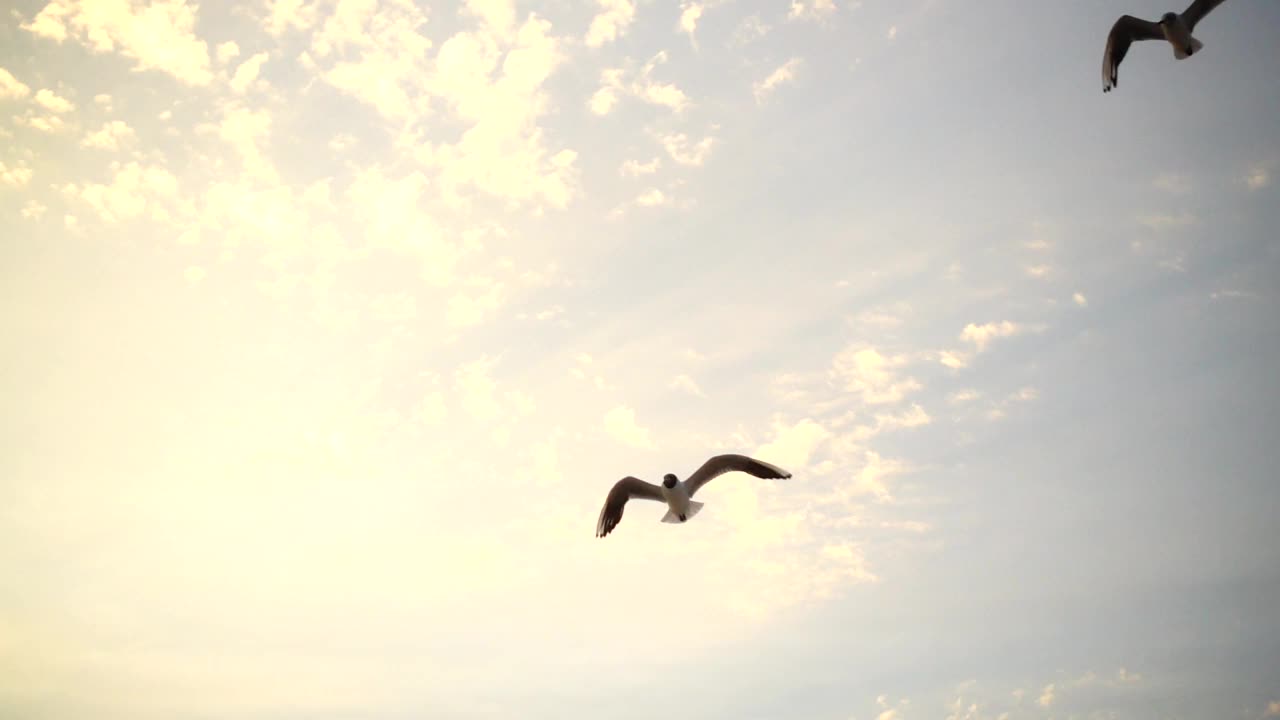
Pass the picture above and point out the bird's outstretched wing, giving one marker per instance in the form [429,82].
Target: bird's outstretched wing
[1196,11]
[623,490]
[721,464]
[1126,30]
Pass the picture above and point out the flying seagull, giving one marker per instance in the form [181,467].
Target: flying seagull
[1172,27]
[675,493]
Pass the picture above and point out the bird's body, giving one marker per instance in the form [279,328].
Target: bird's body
[679,506]
[676,493]
[1173,28]
[1178,35]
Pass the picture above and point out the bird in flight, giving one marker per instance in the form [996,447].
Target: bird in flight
[1174,28]
[676,493]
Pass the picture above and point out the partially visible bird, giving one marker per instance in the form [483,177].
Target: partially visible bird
[1174,28]
[677,494]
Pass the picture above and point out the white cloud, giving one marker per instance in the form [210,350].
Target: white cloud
[470,308]
[665,94]
[11,87]
[497,17]
[379,56]
[620,424]
[889,713]
[1257,178]
[652,197]
[687,384]
[1038,271]
[613,85]
[962,396]
[892,33]
[342,141]
[16,176]
[159,35]
[431,410]
[912,417]
[545,458]
[391,210]
[228,51]
[881,318]
[46,124]
[690,13]
[194,274]
[1025,394]
[872,375]
[982,335]
[1273,708]
[635,168]
[603,100]
[1175,183]
[479,397]
[679,148]
[800,9]
[611,23]
[246,131]
[952,359]
[784,73]
[502,153]
[1163,222]
[584,360]
[1079,299]
[793,445]
[289,14]
[110,136]
[134,189]
[247,72]
[50,101]
[33,210]
[851,558]
[1046,696]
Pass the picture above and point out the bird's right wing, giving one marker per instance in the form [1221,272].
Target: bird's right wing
[1196,11]
[720,464]
[623,490]
[1126,30]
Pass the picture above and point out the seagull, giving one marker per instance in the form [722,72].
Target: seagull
[675,493]
[1172,27]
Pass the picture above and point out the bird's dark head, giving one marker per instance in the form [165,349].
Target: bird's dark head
[669,481]
[1168,18]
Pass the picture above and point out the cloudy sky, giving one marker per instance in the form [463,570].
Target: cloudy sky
[329,323]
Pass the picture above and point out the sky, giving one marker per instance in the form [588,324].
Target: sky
[328,324]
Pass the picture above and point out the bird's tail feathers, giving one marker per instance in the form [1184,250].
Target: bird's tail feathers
[671,517]
[1196,46]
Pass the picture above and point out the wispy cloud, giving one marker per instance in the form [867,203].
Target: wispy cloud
[620,423]
[980,336]
[11,87]
[1258,178]
[783,74]
[611,23]
[811,9]
[161,37]
[1165,222]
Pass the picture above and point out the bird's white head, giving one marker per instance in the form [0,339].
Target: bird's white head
[669,481]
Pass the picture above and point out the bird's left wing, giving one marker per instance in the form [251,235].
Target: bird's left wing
[623,490]
[1196,11]
[721,464]
[1127,29]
